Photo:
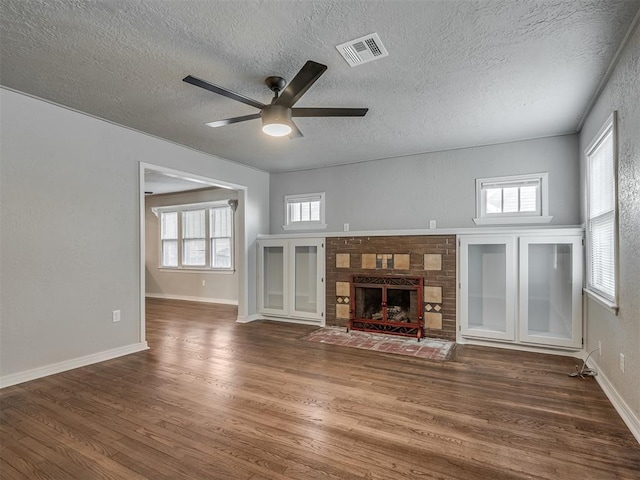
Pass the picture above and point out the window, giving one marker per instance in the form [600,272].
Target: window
[514,199]
[198,236]
[304,211]
[169,238]
[601,215]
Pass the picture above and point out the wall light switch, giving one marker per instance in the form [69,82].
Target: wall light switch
[432,224]
[115,316]
[346,227]
[204,283]
[622,363]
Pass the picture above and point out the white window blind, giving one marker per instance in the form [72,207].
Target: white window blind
[193,238]
[220,234]
[169,238]
[304,211]
[601,222]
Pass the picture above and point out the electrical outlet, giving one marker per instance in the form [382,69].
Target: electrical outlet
[599,348]
[622,363]
[432,224]
[115,316]
[346,227]
[204,283]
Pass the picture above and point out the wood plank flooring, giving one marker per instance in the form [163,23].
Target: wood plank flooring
[213,399]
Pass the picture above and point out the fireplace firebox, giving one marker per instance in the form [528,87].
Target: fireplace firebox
[387,304]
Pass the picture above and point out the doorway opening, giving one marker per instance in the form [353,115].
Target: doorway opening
[162,188]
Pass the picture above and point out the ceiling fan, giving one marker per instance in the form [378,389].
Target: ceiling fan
[277,116]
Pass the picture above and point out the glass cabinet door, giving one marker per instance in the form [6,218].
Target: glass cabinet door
[273,281]
[550,290]
[291,283]
[305,284]
[487,287]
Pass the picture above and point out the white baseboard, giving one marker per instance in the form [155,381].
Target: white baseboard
[35,373]
[629,418]
[575,353]
[248,318]
[224,301]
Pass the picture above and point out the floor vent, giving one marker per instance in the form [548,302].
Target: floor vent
[362,50]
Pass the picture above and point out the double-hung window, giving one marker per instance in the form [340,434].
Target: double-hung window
[304,211]
[196,236]
[512,199]
[602,231]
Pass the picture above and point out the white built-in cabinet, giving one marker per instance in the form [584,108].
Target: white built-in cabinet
[291,279]
[524,289]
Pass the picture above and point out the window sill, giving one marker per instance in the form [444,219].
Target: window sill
[308,226]
[512,220]
[608,304]
[196,270]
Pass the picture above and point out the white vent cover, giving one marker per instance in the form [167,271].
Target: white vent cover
[362,50]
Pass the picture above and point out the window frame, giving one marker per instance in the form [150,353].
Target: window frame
[304,225]
[609,301]
[180,210]
[541,215]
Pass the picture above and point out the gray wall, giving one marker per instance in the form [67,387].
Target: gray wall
[407,192]
[69,244]
[621,333]
[220,287]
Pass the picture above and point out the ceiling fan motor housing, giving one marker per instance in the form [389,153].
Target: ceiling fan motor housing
[276,114]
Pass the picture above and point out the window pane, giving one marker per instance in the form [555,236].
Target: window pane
[221,253]
[315,211]
[193,225]
[305,211]
[169,225]
[510,200]
[601,243]
[169,253]
[494,200]
[294,209]
[528,197]
[220,223]
[601,178]
[193,252]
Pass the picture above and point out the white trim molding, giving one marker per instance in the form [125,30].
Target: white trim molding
[166,296]
[248,318]
[627,415]
[35,373]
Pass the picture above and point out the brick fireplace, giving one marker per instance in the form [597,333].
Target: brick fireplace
[431,257]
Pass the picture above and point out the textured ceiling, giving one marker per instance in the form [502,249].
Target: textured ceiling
[459,73]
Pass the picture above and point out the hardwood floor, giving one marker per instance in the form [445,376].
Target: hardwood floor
[213,399]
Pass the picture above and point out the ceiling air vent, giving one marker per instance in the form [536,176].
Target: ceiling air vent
[362,50]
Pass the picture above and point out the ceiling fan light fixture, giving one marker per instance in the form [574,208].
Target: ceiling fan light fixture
[276,120]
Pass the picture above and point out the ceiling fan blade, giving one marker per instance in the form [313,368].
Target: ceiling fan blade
[229,121]
[222,91]
[303,80]
[329,112]
[295,131]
